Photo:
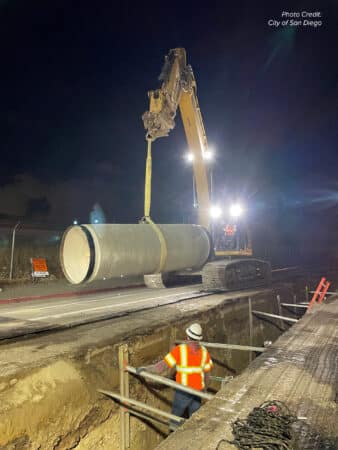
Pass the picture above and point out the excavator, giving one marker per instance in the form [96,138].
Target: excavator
[231,265]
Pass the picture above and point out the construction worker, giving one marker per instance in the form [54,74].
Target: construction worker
[192,363]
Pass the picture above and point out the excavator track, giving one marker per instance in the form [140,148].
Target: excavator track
[227,275]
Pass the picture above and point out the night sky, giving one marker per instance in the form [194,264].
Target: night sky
[74,82]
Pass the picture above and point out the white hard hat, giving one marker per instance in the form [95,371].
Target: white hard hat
[194,331]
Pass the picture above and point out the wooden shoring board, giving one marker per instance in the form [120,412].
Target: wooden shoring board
[124,391]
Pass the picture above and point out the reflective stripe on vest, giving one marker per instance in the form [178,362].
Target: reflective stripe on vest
[207,367]
[171,361]
[184,363]
[190,369]
[204,358]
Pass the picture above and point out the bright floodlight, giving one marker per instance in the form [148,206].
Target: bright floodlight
[189,157]
[208,155]
[75,222]
[215,212]
[236,210]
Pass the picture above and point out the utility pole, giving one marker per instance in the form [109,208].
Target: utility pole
[12,250]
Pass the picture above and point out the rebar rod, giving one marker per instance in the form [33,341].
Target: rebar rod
[294,305]
[132,412]
[329,292]
[170,383]
[227,346]
[287,319]
[130,401]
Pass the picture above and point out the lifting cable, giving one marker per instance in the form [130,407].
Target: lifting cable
[147,204]
[147,182]
[267,427]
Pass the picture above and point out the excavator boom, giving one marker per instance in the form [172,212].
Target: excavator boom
[178,90]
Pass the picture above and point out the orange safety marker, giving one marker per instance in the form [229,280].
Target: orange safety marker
[39,267]
[324,291]
[318,292]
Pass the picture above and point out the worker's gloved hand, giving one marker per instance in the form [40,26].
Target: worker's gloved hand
[140,369]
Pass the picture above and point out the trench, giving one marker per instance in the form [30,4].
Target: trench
[48,384]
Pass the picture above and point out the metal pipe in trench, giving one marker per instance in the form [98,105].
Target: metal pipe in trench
[104,251]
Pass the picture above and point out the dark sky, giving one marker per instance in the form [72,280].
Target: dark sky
[74,82]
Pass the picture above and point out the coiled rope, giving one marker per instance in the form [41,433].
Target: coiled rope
[267,427]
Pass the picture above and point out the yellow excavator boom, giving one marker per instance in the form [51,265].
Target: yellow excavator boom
[178,90]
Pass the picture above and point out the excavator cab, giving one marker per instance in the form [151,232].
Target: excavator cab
[230,239]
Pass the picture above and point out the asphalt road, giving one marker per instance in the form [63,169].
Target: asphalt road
[17,319]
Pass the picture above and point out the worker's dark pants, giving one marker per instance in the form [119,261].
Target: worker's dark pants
[182,402]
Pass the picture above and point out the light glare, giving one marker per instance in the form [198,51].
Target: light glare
[215,212]
[236,210]
[208,155]
[189,157]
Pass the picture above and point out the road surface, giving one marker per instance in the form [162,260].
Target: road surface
[33,316]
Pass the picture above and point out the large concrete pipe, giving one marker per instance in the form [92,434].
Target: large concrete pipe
[103,251]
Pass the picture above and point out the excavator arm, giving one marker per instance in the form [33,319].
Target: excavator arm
[178,90]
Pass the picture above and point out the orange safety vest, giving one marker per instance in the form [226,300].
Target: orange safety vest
[190,365]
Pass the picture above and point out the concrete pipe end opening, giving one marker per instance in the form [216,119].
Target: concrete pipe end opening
[77,254]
